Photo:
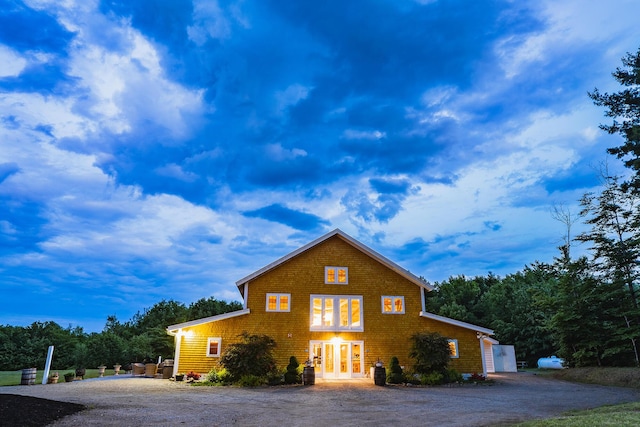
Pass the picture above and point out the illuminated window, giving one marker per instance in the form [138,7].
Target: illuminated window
[279,302]
[453,348]
[213,347]
[335,313]
[392,304]
[336,275]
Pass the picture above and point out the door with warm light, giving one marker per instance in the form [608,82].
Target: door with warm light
[337,359]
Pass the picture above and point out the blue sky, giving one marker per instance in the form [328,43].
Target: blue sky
[157,150]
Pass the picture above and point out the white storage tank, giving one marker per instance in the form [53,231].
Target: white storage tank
[551,362]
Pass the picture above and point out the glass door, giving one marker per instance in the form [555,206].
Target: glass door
[344,354]
[334,360]
[329,361]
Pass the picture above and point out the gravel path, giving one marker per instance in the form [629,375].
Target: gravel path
[127,401]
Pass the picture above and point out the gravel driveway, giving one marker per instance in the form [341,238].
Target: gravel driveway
[126,401]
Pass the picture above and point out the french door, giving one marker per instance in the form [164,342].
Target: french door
[337,359]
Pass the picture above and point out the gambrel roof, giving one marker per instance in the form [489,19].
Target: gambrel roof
[348,239]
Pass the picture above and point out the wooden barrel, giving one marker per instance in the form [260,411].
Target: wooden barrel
[28,376]
[167,371]
[380,376]
[308,375]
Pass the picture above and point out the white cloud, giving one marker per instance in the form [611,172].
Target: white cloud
[209,22]
[363,134]
[290,96]
[570,24]
[278,153]
[11,64]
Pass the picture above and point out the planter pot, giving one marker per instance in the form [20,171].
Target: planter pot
[150,370]
[68,378]
[116,369]
[101,370]
[179,377]
[52,380]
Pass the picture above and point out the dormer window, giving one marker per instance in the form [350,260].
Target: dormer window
[336,275]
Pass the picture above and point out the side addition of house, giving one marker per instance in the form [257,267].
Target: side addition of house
[337,303]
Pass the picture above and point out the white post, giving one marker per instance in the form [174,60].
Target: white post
[47,366]
[484,362]
[176,359]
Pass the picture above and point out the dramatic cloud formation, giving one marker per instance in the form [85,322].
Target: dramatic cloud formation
[154,150]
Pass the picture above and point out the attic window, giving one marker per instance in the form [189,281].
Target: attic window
[392,304]
[336,275]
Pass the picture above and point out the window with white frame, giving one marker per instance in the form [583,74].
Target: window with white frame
[336,313]
[453,349]
[213,347]
[279,302]
[392,304]
[336,275]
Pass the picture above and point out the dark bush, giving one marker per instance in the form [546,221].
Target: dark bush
[251,357]
[292,376]
[395,375]
[431,352]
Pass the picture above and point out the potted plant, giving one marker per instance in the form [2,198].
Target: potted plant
[101,370]
[180,377]
[192,376]
[116,368]
[69,376]
[53,378]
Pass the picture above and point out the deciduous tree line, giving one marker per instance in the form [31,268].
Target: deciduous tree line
[143,337]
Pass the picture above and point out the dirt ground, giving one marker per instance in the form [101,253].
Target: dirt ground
[127,401]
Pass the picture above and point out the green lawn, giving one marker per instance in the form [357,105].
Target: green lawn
[626,414]
[8,378]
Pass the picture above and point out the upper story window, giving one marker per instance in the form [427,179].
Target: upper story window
[336,275]
[336,313]
[453,349]
[279,302]
[392,304]
[213,347]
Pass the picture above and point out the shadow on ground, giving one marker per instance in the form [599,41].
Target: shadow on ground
[27,411]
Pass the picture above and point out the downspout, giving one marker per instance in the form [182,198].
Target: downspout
[245,294]
[424,307]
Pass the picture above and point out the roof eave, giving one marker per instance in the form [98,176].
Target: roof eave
[459,323]
[337,232]
[173,329]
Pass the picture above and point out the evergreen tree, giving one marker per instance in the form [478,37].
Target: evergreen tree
[624,107]
[615,241]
